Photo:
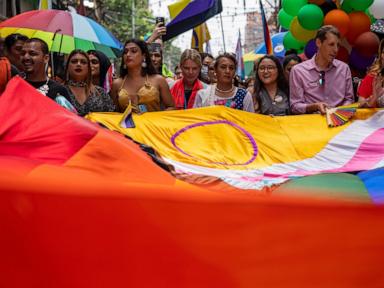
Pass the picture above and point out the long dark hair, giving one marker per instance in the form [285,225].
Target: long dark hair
[149,70]
[281,81]
[104,63]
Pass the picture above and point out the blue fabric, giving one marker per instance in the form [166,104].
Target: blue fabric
[374,183]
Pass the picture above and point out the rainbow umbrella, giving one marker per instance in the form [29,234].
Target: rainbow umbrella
[63,31]
[249,59]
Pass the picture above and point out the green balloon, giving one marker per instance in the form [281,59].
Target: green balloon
[373,19]
[360,5]
[291,42]
[285,19]
[292,7]
[311,17]
[346,6]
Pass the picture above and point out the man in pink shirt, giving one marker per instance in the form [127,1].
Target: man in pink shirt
[322,81]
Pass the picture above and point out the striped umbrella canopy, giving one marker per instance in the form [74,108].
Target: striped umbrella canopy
[63,31]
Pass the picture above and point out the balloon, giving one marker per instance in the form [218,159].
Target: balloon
[367,44]
[291,42]
[299,32]
[360,5]
[360,62]
[339,19]
[373,19]
[377,9]
[292,7]
[343,54]
[317,2]
[310,17]
[285,19]
[359,23]
[327,6]
[346,6]
[310,49]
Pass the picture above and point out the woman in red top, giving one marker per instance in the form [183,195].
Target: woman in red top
[371,91]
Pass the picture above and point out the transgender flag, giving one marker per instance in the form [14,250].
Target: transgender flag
[267,37]
[239,58]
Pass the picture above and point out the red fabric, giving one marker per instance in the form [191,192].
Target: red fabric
[177,92]
[48,20]
[35,127]
[365,89]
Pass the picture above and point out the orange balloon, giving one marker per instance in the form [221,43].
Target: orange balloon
[317,2]
[359,23]
[339,19]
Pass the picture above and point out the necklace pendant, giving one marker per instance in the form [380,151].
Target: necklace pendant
[278,99]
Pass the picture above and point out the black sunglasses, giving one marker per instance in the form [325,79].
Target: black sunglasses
[322,78]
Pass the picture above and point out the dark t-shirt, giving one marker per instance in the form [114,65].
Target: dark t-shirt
[187,94]
[55,89]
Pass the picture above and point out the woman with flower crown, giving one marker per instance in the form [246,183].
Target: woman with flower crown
[85,96]
[224,92]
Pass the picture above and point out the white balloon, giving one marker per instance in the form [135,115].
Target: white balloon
[377,9]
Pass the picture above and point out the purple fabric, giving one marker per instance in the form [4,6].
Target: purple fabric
[305,86]
[192,9]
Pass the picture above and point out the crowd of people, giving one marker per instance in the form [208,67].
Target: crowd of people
[277,87]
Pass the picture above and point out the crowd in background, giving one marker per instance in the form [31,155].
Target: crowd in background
[143,83]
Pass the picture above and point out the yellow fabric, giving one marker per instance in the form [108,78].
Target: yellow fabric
[45,4]
[251,56]
[175,8]
[279,139]
[202,34]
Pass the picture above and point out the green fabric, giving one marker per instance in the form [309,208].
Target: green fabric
[166,72]
[343,186]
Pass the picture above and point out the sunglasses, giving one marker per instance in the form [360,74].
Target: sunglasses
[322,78]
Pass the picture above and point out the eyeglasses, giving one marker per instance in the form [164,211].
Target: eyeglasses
[322,78]
[267,68]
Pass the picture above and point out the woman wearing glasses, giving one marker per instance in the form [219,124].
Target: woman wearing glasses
[270,92]
[224,92]
[85,96]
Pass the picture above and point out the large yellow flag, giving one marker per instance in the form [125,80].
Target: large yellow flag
[45,4]
[200,35]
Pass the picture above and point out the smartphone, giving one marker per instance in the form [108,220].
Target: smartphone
[160,20]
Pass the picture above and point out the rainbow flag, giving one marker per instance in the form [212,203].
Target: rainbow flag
[267,36]
[82,206]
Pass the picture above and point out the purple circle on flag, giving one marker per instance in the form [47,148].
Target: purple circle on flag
[241,129]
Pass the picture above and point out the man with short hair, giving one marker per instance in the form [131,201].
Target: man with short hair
[322,81]
[35,58]
[13,44]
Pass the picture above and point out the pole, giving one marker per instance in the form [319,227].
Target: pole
[133,18]
[222,32]
[52,58]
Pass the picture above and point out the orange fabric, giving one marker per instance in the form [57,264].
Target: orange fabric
[97,234]
[5,73]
